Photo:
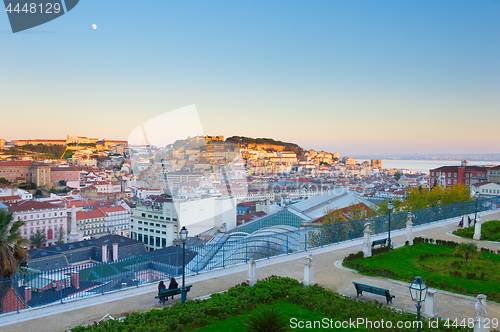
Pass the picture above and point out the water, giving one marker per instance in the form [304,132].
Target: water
[424,166]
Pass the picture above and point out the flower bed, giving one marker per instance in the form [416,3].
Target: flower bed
[242,299]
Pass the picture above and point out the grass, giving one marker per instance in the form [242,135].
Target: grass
[490,231]
[288,310]
[437,265]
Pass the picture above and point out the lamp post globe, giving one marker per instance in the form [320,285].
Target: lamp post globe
[183,234]
[390,206]
[418,292]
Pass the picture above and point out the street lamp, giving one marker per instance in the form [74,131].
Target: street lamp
[475,216]
[418,291]
[183,234]
[389,207]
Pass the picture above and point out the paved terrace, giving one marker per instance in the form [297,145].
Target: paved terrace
[328,273]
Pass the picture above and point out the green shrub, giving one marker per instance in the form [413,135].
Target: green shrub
[266,320]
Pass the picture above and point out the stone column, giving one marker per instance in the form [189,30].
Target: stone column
[73,235]
[477,230]
[115,252]
[104,253]
[409,230]
[430,304]
[367,247]
[482,312]
[252,272]
[308,271]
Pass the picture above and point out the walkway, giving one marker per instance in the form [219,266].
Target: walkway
[60,317]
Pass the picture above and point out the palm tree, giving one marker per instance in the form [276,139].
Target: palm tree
[469,249]
[12,251]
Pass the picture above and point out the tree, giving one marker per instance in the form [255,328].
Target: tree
[60,235]
[339,225]
[397,176]
[4,181]
[469,249]
[13,251]
[38,239]
[382,209]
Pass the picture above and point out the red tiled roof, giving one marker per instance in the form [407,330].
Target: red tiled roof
[97,213]
[30,205]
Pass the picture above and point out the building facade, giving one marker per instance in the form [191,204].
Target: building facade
[448,176]
[494,174]
[49,218]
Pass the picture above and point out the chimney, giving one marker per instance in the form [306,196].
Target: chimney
[104,253]
[115,252]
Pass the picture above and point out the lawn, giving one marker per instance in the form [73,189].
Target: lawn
[490,231]
[288,310]
[436,265]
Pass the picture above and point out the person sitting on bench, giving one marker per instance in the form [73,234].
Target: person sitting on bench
[173,284]
[161,286]
[470,220]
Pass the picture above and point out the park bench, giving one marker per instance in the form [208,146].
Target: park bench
[165,293]
[382,242]
[360,288]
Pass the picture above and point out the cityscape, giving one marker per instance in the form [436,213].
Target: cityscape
[316,164]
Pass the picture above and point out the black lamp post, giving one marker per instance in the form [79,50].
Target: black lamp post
[475,216]
[389,207]
[183,234]
[418,292]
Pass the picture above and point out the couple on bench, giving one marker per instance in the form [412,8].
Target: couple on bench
[173,285]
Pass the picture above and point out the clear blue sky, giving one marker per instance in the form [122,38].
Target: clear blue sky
[355,77]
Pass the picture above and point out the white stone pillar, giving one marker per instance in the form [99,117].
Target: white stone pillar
[115,252]
[482,312]
[367,248]
[73,235]
[308,271]
[430,304]
[252,272]
[104,253]
[477,230]
[409,230]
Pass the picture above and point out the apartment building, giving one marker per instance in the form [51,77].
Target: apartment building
[40,216]
[448,176]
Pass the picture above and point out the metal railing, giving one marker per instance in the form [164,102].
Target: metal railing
[35,288]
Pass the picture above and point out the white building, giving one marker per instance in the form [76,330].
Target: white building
[486,189]
[157,222]
[40,216]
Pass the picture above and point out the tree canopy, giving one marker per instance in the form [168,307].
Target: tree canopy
[12,250]
[420,198]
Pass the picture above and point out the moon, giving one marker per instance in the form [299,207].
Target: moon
[94,26]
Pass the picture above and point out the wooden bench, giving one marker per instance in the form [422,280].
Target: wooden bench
[360,288]
[382,242]
[165,293]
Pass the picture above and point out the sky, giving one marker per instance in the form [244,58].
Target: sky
[354,77]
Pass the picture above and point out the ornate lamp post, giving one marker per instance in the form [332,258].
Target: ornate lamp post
[475,216]
[389,207]
[183,234]
[418,292]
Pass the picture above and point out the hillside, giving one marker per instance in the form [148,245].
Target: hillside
[266,141]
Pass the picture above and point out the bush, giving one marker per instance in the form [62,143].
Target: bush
[267,320]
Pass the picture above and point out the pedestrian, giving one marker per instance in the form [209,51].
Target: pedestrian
[461,223]
[173,284]
[470,220]
[161,286]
